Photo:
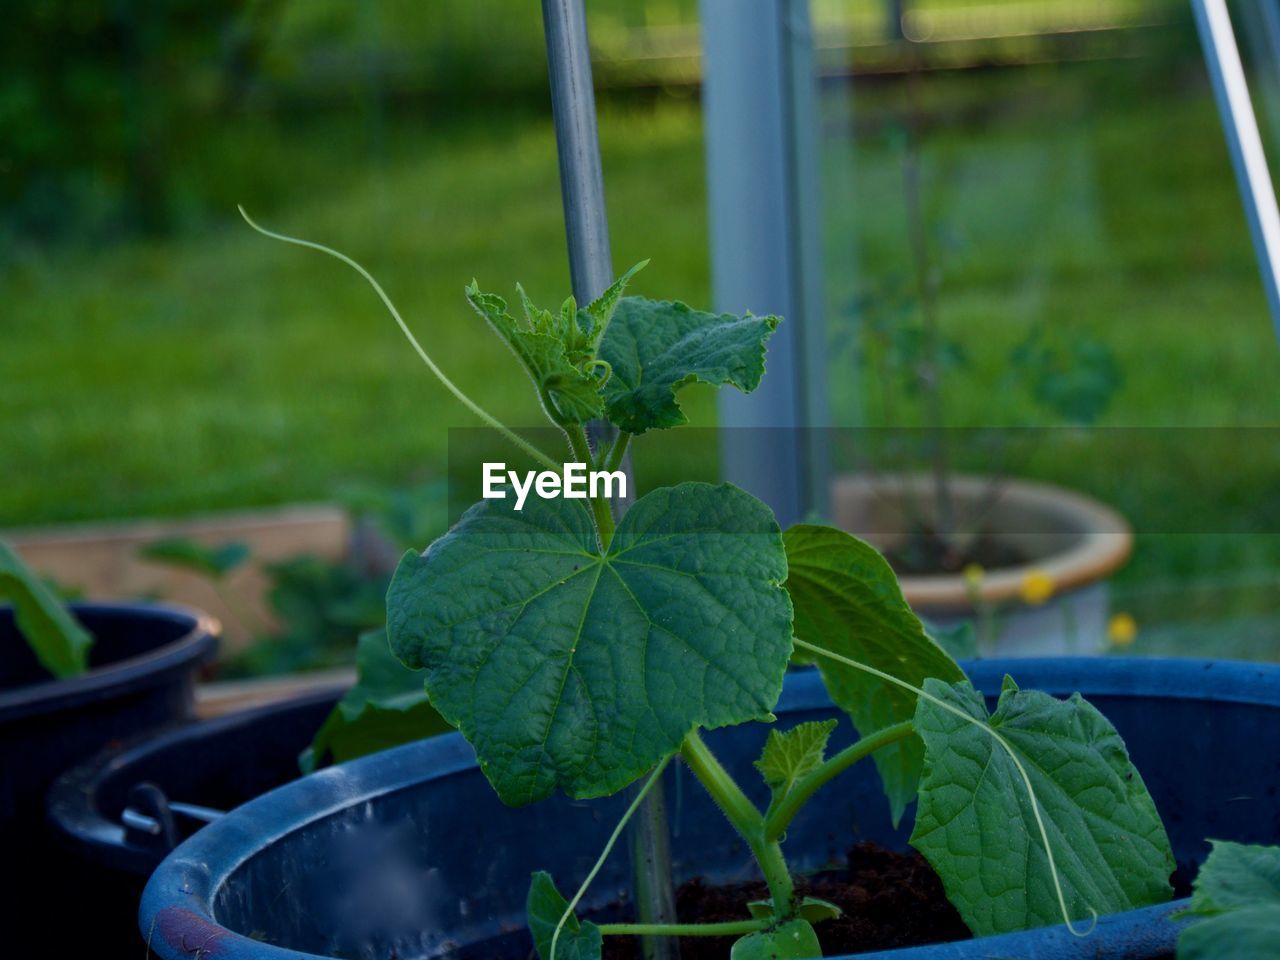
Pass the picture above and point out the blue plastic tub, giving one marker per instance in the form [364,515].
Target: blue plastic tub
[409,854]
[142,673]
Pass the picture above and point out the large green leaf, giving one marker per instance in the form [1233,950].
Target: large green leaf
[655,347]
[569,394]
[847,600]
[545,906]
[567,667]
[793,940]
[57,639]
[387,707]
[976,826]
[1238,888]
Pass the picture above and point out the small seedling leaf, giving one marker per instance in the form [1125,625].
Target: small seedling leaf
[572,668]
[59,642]
[387,707]
[578,940]
[568,394]
[847,600]
[654,347]
[793,940]
[976,825]
[790,754]
[813,909]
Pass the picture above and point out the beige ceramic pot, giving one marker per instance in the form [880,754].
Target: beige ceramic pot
[1068,543]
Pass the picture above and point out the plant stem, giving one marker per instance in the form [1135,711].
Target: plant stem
[745,817]
[778,818]
[726,928]
[601,509]
[613,459]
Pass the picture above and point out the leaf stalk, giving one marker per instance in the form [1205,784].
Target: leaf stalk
[779,817]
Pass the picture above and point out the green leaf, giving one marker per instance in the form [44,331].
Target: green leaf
[790,754]
[387,707]
[567,667]
[59,642]
[976,826]
[599,312]
[214,562]
[848,601]
[812,909]
[568,394]
[1239,888]
[1236,875]
[655,347]
[1251,933]
[545,907]
[793,940]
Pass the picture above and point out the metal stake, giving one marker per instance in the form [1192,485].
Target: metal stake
[586,223]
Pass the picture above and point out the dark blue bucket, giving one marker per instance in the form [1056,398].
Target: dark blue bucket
[409,854]
[142,673]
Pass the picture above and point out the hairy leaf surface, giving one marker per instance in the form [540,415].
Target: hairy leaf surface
[790,754]
[976,826]
[57,639]
[568,667]
[848,601]
[578,940]
[1238,888]
[387,707]
[572,395]
[654,347]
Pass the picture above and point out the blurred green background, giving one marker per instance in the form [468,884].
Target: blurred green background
[157,358]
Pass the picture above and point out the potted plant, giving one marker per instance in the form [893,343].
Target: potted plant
[73,678]
[577,655]
[1026,563]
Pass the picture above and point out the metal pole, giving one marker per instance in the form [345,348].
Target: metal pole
[586,223]
[1222,57]
[759,97]
[573,103]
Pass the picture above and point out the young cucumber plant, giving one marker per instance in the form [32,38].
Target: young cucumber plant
[581,655]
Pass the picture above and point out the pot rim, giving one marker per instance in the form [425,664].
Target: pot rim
[145,670]
[1106,541]
[73,800]
[176,908]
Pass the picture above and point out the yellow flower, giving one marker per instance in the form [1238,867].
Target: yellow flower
[1037,587]
[973,576]
[1121,630]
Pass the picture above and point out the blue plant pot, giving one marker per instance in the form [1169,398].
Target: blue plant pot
[409,853]
[141,675]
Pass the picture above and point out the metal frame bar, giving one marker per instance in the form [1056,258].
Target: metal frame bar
[760,112]
[1240,125]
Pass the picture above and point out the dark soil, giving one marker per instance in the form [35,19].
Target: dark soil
[924,552]
[889,900]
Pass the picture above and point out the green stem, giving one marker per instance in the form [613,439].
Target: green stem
[780,817]
[613,459]
[601,509]
[745,817]
[727,928]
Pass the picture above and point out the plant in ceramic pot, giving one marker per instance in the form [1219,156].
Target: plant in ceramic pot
[1025,562]
[582,653]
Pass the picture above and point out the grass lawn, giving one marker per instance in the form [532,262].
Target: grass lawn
[222,370]
[218,370]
